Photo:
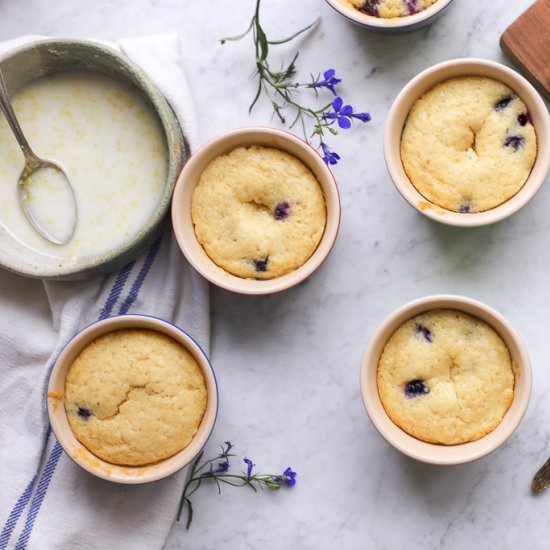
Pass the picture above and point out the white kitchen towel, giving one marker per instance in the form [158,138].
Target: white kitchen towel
[47,501]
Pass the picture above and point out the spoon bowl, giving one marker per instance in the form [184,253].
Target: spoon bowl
[42,183]
[50,178]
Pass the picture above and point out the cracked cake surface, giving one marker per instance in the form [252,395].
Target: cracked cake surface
[445,377]
[468,144]
[258,212]
[135,396]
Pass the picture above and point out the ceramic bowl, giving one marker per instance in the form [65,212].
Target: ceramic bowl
[426,80]
[78,452]
[189,177]
[24,64]
[429,452]
[395,25]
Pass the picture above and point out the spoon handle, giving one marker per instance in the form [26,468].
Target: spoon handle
[541,481]
[7,109]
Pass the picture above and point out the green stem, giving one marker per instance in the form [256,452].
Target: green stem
[239,36]
[189,514]
[298,33]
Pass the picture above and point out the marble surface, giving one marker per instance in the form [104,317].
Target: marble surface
[288,365]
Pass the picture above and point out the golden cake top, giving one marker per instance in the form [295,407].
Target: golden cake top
[135,396]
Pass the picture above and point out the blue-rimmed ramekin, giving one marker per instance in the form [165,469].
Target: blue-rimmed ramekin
[395,25]
[78,452]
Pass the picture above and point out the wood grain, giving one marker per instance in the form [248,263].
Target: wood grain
[527,43]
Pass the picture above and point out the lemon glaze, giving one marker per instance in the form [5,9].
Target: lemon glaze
[113,147]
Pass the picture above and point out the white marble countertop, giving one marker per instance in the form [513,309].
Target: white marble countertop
[288,365]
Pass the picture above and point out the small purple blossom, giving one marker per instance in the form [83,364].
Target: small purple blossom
[330,157]
[329,81]
[221,468]
[343,114]
[249,465]
[217,471]
[289,477]
[363,117]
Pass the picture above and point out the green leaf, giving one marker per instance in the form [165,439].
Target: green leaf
[262,43]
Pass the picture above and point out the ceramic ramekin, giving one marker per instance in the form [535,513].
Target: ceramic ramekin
[40,58]
[395,25]
[427,80]
[78,452]
[189,177]
[429,452]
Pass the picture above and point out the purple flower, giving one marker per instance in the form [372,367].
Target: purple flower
[289,477]
[363,117]
[250,465]
[344,113]
[341,113]
[330,157]
[221,468]
[329,81]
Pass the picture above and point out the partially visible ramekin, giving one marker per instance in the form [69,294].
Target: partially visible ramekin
[78,452]
[189,177]
[426,80]
[429,452]
[395,25]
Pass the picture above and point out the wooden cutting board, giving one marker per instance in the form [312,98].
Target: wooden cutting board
[527,43]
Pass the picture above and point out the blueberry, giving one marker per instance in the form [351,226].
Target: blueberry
[261,265]
[423,331]
[282,211]
[501,104]
[370,7]
[464,208]
[514,141]
[523,119]
[84,413]
[415,388]
[412,6]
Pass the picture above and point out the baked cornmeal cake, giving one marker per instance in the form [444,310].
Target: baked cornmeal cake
[468,144]
[390,8]
[258,212]
[135,397]
[445,377]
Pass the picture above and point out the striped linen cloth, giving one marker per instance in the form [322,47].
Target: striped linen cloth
[47,501]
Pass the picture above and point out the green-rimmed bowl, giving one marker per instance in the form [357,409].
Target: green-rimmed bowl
[40,58]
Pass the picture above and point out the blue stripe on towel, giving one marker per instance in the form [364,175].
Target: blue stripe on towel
[131,298]
[15,514]
[56,453]
[47,475]
[23,500]
[116,290]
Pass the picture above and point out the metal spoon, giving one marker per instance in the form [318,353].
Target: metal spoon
[541,481]
[33,164]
